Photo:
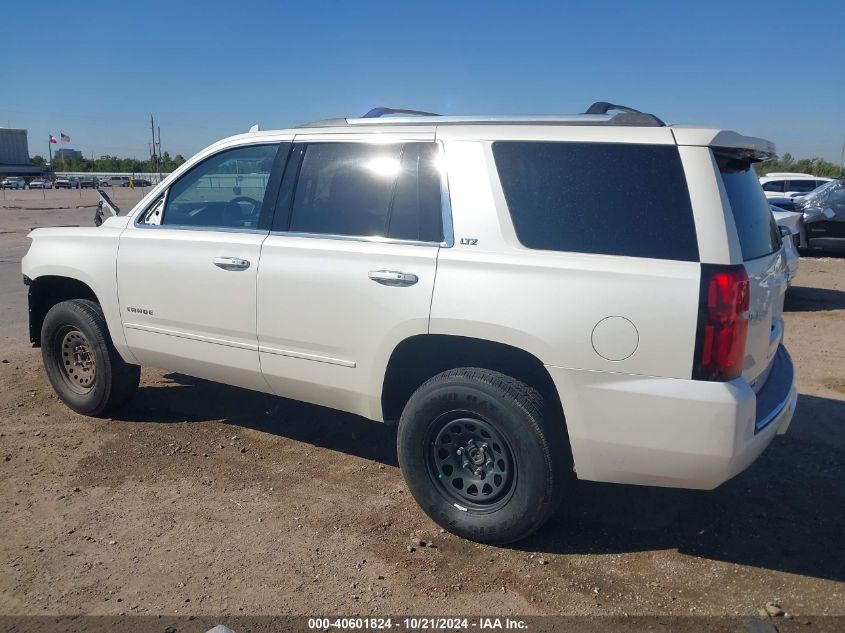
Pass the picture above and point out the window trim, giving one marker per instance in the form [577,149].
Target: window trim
[267,207]
[447,228]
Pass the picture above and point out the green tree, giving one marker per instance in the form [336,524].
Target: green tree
[38,160]
[814,166]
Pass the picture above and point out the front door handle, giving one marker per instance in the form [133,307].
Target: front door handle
[231,263]
[393,278]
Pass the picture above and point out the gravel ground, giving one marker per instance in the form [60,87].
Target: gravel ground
[206,499]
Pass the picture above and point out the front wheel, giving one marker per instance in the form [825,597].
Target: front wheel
[482,456]
[81,362]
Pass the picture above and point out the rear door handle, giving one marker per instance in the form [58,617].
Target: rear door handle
[231,263]
[393,278]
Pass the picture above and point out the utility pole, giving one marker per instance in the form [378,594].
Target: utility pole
[153,146]
[159,153]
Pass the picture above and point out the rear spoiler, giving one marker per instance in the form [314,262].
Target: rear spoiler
[104,206]
[748,147]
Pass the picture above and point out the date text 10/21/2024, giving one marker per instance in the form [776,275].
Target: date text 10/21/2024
[412,624]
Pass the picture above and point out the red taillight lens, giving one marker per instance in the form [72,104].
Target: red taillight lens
[722,323]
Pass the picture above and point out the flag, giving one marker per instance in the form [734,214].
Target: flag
[65,137]
[53,139]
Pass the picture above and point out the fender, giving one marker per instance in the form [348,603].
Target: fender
[88,255]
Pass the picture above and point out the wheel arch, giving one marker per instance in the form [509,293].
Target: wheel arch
[48,290]
[417,358]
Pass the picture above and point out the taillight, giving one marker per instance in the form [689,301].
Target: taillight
[722,323]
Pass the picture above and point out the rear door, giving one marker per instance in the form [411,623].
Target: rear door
[800,187]
[348,270]
[765,263]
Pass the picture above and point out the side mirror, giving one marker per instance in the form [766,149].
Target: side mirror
[828,213]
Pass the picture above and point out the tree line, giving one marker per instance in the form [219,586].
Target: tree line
[113,163]
[814,166]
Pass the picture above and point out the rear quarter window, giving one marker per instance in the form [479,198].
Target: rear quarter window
[755,224]
[602,198]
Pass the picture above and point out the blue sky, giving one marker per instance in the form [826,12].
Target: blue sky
[96,70]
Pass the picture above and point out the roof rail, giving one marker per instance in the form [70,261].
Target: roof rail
[376,113]
[596,114]
[628,116]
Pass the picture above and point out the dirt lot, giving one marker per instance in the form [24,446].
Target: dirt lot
[206,499]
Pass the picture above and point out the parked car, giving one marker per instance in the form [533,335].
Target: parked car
[117,181]
[103,182]
[67,182]
[790,225]
[87,182]
[141,182]
[488,282]
[41,183]
[790,185]
[13,182]
[824,217]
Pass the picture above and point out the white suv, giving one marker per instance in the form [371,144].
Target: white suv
[790,185]
[532,298]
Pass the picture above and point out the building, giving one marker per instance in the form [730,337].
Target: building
[66,154]
[14,154]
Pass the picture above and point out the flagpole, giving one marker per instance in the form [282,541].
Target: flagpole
[50,149]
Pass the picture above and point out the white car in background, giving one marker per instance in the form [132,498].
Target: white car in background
[14,182]
[790,185]
[41,183]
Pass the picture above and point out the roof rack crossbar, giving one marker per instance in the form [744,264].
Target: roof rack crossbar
[376,113]
[626,116]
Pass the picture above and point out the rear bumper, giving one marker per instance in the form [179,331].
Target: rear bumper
[671,432]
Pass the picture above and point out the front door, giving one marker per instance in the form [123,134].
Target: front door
[348,270]
[187,269]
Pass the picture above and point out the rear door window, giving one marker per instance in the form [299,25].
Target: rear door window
[603,198]
[803,186]
[755,224]
[368,190]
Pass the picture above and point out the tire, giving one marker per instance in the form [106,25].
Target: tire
[512,452]
[81,362]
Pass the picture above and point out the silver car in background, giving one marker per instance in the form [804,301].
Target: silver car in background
[823,217]
[790,225]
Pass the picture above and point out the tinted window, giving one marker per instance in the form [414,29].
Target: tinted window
[416,210]
[224,191]
[365,190]
[755,224]
[801,185]
[611,199]
[774,185]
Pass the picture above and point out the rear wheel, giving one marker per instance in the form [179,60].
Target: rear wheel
[81,363]
[482,456]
